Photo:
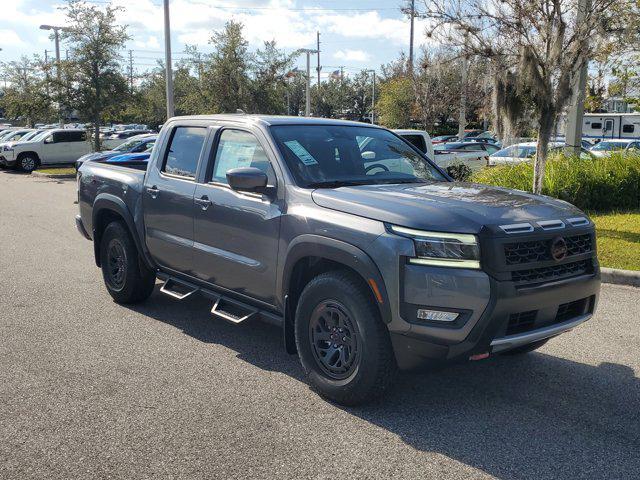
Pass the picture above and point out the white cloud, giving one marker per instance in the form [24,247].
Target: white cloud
[352,55]
[151,42]
[10,38]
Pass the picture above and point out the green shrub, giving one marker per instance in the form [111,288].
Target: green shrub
[601,184]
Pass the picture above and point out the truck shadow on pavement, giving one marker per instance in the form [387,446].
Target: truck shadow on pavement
[513,417]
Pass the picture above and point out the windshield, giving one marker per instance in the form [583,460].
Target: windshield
[516,151]
[130,144]
[607,146]
[30,135]
[15,135]
[334,155]
[40,136]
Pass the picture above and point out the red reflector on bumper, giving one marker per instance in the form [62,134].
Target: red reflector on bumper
[479,356]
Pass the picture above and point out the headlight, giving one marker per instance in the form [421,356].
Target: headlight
[443,249]
[7,148]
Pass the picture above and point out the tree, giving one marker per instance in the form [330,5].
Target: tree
[99,89]
[226,70]
[26,96]
[395,104]
[539,47]
[269,84]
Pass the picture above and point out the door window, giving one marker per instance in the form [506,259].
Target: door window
[184,151]
[69,136]
[417,141]
[608,125]
[239,149]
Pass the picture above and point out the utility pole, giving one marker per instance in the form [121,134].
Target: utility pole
[167,61]
[131,70]
[413,16]
[56,36]
[318,68]
[573,133]
[307,109]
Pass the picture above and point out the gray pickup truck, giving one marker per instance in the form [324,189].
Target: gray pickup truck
[365,252]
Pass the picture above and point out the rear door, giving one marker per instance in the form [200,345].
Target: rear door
[236,234]
[168,197]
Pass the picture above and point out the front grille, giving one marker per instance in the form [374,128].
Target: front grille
[518,253]
[553,272]
[521,322]
[570,310]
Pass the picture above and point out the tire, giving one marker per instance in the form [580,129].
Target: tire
[27,163]
[363,366]
[127,279]
[526,348]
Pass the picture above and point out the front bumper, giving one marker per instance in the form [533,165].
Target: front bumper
[6,162]
[493,331]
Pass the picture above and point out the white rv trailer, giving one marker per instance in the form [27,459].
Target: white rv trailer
[611,125]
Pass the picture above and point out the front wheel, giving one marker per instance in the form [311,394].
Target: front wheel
[127,279]
[27,163]
[343,345]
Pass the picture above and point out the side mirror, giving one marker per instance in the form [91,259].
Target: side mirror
[49,139]
[247,179]
[368,155]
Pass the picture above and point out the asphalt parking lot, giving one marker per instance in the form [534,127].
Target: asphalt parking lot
[91,389]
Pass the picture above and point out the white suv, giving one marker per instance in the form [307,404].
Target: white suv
[55,146]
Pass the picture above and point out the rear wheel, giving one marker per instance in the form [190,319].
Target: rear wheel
[526,348]
[27,163]
[127,279]
[343,345]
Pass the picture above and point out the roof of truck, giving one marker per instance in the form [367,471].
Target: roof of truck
[272,119]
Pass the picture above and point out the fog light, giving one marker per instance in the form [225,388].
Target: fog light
[436,315]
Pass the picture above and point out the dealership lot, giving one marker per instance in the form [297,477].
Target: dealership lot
[91,389]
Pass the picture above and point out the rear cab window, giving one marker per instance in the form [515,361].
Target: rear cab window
[183,151]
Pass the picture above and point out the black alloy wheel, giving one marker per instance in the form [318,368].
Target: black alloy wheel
[335,339]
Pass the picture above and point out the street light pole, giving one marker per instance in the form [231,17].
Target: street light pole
[167,61]
[56,36]
[307,109]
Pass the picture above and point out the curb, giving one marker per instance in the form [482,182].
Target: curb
[53,175]
[620,277]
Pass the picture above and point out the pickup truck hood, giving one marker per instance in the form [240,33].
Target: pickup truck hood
[444,206]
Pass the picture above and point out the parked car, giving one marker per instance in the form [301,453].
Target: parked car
[472,154]
[369,265]
[15,135]
[524,152]
[443,139]
[419,139]
[607,147]
[132,160]
[54,146]
[136,144]
[117,138]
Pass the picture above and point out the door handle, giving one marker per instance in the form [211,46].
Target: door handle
[203,201]
[153,191]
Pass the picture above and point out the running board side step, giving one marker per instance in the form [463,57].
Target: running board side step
[176,289]
[231,311]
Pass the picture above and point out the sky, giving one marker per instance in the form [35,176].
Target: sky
[356,34]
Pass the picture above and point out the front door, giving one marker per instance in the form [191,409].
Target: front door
[608,128]
[236,234]
[168,199]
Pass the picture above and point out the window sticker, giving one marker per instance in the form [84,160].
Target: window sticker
[301,152]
